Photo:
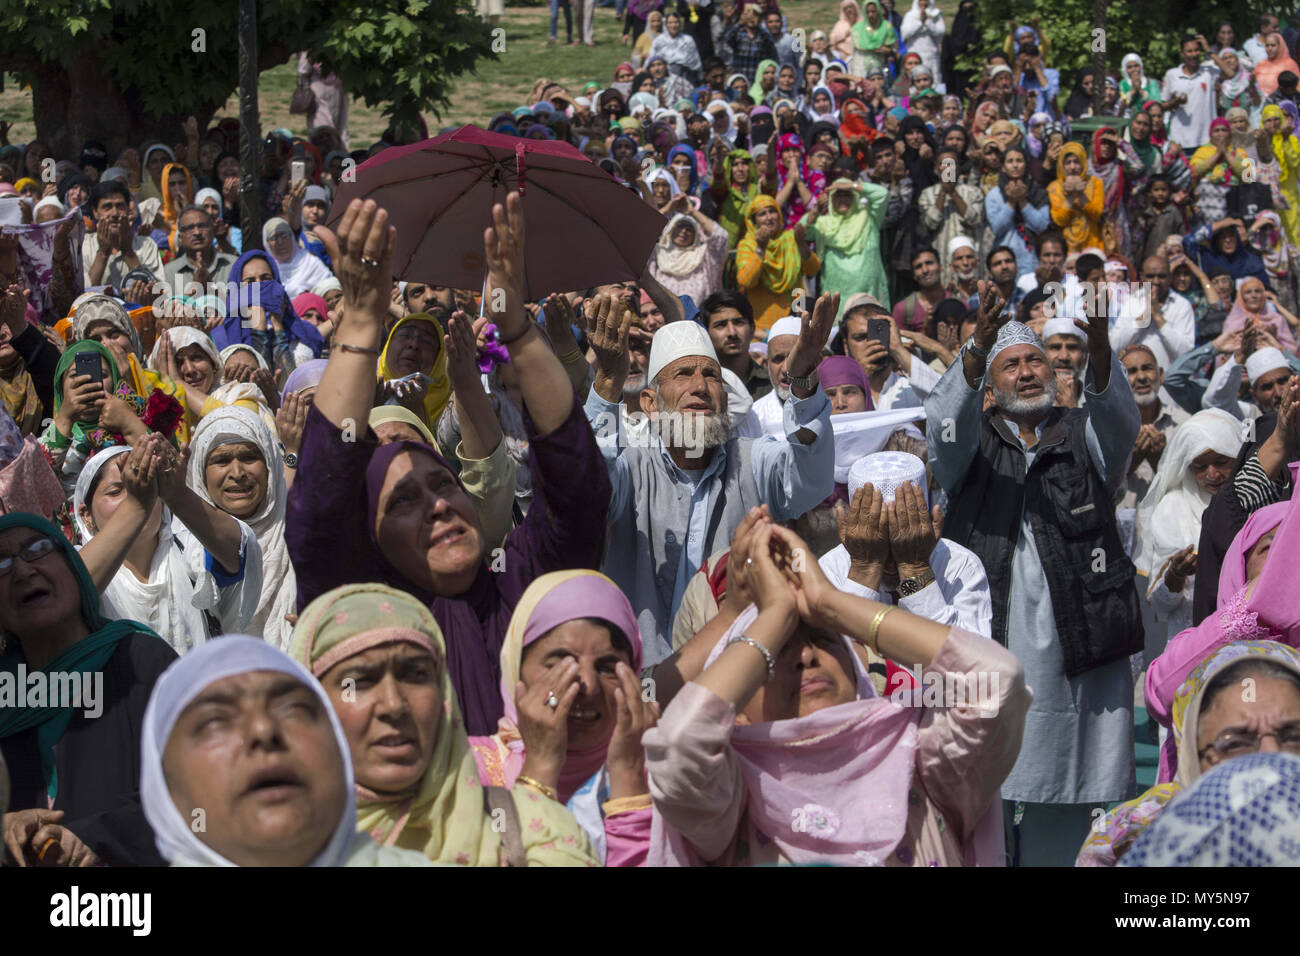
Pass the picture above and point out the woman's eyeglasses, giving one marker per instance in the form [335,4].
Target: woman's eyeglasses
[1239,744]
[31,552]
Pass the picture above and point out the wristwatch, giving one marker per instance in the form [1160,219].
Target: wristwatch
[290,460]
[909,586]
[979,352]
[807,383]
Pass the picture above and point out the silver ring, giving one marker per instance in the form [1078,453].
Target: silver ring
[552,701]
[748,562]
[370,263]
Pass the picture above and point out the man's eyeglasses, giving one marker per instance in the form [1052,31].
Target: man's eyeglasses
[31,552]
[1238,744]
[194,227]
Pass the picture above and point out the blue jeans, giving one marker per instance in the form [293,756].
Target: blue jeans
[568,18]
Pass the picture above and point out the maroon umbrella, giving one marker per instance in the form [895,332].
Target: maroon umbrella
[584,228]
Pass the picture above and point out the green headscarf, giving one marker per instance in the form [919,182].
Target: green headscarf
[81,437]
[756,92]
[735,207]
[88,656]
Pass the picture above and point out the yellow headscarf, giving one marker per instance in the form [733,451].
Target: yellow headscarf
[1078,230]
[1273,111]
[782,263]
[170,210]
[435,399]
[444,816]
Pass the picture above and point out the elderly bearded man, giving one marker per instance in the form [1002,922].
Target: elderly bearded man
[680,494]
[1030,490]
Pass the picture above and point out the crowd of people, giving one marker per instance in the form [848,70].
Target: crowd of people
[952,419]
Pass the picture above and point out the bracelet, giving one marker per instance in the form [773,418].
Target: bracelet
[359,349]
[875,627]
[537,785]
[528,327]
[767,655]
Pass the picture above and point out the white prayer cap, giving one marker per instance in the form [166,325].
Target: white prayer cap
[786,325]
[886,471]
[1262,361]
[49,201]
[857,299]
[1013,333]
[1061,326]
[957,242]
[678,340]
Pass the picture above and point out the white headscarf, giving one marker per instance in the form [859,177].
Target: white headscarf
[302,271]
[183,681]
[660,172]
[671,258]
[226,426]
[173,599]
[1169,516]
[1142,73]
[183,336]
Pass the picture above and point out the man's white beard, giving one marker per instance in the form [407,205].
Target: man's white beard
[695,432]
[783,393]
[967,276]
[1012,404]
[632,387]
[1150,398]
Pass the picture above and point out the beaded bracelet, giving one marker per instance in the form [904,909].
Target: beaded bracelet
[767,655]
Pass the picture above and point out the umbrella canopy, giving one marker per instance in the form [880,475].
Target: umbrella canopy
[584,228]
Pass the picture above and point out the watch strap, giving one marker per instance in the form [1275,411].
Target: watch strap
[910,586]
[808,382]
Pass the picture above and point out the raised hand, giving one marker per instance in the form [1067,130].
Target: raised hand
[291,421]
[911,531]
[625,758]
[544,728]
[608,321]
[738,596]
[864,532]
[362,253]
[503,247]
[814,332]
[462,352]
[990,318]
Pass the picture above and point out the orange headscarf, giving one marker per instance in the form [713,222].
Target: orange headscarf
[170,211]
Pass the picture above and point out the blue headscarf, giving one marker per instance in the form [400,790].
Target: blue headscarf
[683,149]
[232,330]
[87,656]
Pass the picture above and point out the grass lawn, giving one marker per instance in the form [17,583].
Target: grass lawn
[500,85]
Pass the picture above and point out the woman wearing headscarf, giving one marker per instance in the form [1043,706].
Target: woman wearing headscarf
[1017,209]
[1277,61]
[918,153]
[19,389]
[1286,150]
[734,189]
[1196,734]
[158,553]
[74,772]
[415,348]
[1079,103]
[922,33]
[155,159]
[875,41]
[236,466]
[845,229]
[733,794]
[764,82]
[403,482]
[1199,460]
[280,337]
[1252,303]
[190,760]
[179,194]
[1136,87]
[688,258]
[1116,164]
[1255,602]
[771,262]
[1235,84]
[366,643]
[821,107]
[1077,200]
[1042,169]
[299,269]
[574,639]
[1217,167]
[841,37]
[1268,239]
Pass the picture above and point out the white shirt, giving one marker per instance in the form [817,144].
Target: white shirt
[959,596]
[1189,125]
[897,392]
[145,249]
[1135,326]
[1225,385]
[676,51]
[766,417]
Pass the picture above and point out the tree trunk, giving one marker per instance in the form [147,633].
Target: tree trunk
[75,104]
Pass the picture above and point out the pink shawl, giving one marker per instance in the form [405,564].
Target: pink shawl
[1270,613]
[845,771]
[1237,315]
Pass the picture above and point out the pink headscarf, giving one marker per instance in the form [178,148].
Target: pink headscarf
[1237,315]
[1232,576]
[842,370]
[854,760]
[564,596]
[309,300]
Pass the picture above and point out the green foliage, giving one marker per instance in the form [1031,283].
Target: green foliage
[1150,28]
[401,54]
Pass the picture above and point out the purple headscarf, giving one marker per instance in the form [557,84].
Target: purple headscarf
[842,370]
[306,375]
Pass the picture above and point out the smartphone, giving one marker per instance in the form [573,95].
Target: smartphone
[878,329]
[90,363]
[297,170]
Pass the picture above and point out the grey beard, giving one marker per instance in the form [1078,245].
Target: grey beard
[783,393]
[1147,400]
[1012,404]
[966,276]
[632,387]
[701,434]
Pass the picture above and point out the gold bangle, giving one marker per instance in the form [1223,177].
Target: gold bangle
[540,787]
[875,626]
